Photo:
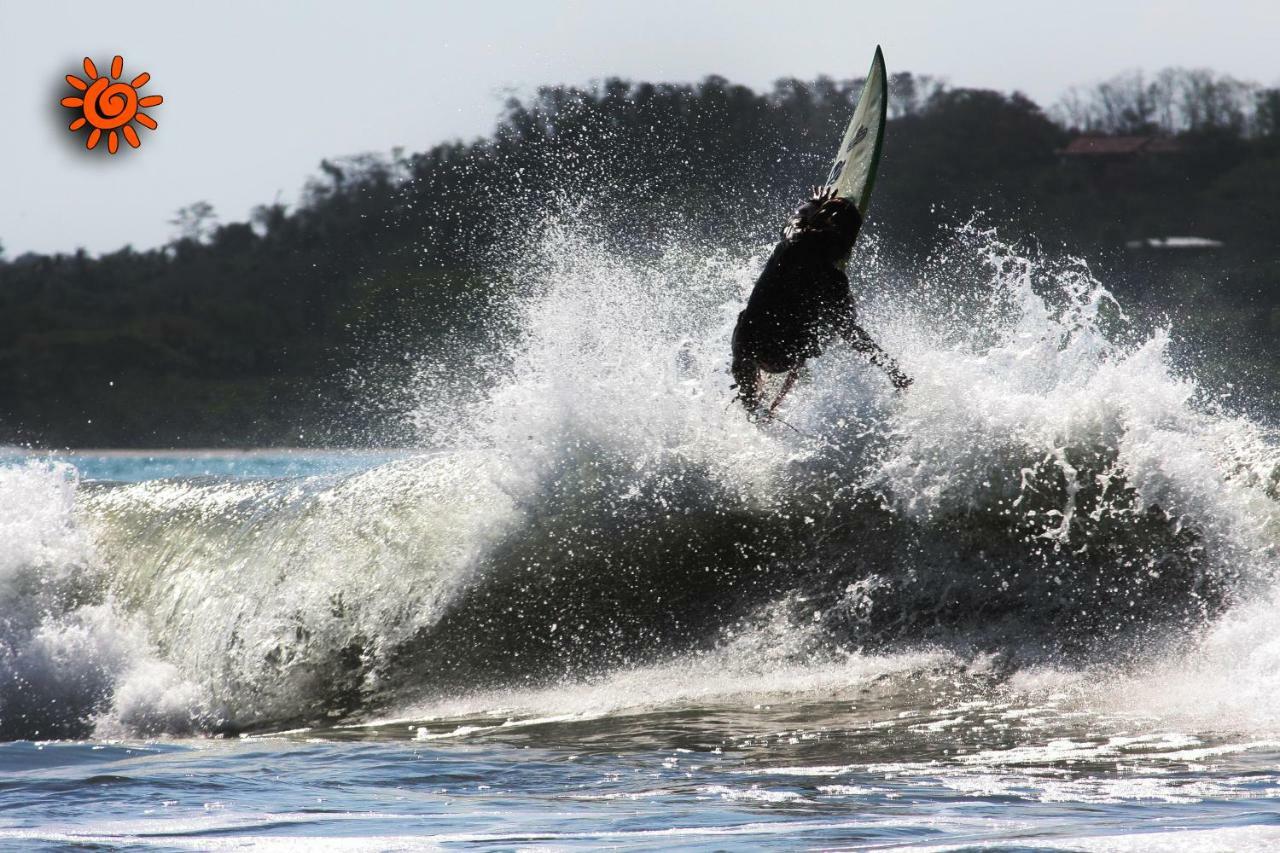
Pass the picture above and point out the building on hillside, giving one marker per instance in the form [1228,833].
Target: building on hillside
[1119,163]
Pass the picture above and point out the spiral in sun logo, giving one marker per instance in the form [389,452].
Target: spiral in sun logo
[109,105]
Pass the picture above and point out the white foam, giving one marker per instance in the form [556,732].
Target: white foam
[742,673]
[254,590]
[1227,682]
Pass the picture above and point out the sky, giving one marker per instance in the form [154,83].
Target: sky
[257,93]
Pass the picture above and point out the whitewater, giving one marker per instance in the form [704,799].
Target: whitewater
[1028,604]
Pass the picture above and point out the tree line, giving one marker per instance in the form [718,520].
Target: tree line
[263,332]
[1172,101]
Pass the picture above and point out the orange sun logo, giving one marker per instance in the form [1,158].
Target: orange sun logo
[108,106]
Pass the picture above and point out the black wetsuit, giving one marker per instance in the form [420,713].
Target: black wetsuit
[802,300]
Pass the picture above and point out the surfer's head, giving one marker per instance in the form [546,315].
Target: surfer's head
[825,218]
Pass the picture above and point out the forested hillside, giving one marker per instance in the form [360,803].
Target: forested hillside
[246,333]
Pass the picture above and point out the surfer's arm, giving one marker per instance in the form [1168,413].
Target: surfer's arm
[861,342]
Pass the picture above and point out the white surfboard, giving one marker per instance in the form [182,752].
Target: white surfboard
[854,172]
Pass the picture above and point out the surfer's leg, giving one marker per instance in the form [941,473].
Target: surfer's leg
[858,338]
[746,376]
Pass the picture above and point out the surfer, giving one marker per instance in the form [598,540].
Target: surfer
[802,301]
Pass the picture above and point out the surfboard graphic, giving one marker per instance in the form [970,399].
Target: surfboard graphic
[853,173]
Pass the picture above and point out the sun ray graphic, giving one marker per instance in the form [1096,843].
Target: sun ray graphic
[108,105]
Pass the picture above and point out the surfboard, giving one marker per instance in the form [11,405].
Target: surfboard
[853,173]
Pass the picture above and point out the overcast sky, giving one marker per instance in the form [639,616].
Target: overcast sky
[256,93]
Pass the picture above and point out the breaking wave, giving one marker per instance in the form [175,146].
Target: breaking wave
[1052,505]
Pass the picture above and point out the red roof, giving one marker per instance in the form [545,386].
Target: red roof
[1116,145]
[1162,145]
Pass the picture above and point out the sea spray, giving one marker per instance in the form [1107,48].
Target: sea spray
[601,509]
[61,644]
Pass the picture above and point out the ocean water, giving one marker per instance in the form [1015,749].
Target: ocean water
[1030,604]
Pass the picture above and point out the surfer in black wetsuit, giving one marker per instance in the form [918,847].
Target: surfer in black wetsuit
[802,300]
